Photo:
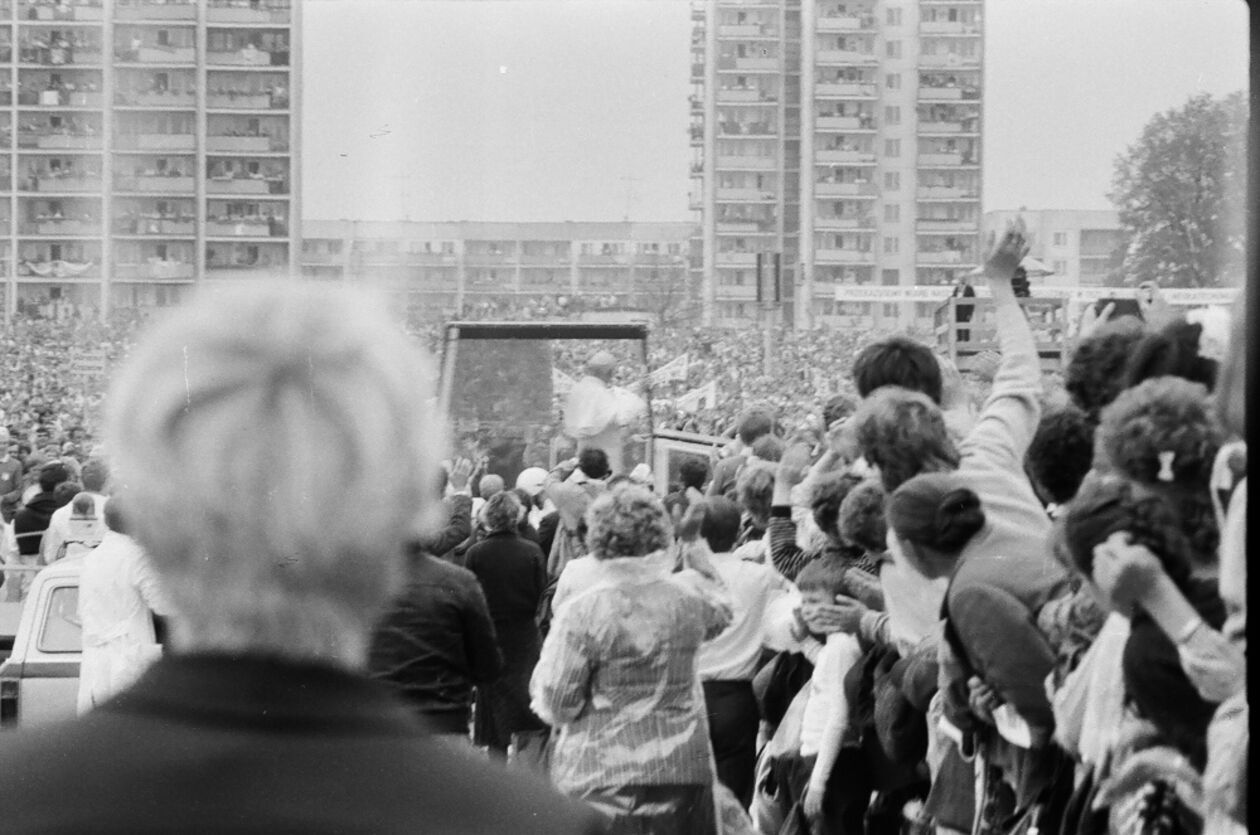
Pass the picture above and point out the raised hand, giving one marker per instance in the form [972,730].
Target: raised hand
[460,471]
[1010,251]
[794,465]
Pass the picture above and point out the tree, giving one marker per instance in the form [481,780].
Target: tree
[1181,191]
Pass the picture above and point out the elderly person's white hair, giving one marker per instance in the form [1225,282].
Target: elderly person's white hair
[276,447]
[627,521]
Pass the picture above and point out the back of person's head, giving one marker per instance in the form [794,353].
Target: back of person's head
[65,491]
[903,433]
[1172,352]
[627,521]
[897,361]
[502,512]
[1061,453]
[490,485]
[825,574]
[824,502]
[593,461]
[862,520]
[937,511]
[754,490]
[83,506]
[693,472]
[115,516]
[1161,431]
[95,475]
[754,424]
[297,420]
[1111,505]
[52,474]
[720,527]
[768,448]
[838,407]
[1096,372]
[523,496]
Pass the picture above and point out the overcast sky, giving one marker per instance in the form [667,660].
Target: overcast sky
[577,109]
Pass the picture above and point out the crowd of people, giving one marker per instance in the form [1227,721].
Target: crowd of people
[885,606]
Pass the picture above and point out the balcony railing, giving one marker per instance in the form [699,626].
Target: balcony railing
[943,256]
[845,156]
[64,227]
[844,190]
[245,144]
[731,64]
[844,256]
[750,195]
[155,184]
[47,184]
[844,90]
[830,57]
[948,193]
[49,141]
[149,10]
[60,98]
[62,270]
[168,98]
[59,56]
[157,55]
[945,225]
[847,123]
[736,259]
[940,93]
[748,30]
[245,100]
[845,23]
[949,60]
[243,11]
[248,58]
[157,141]
[940,159]
[247,185]
[154,225]
[745,95]
[834,222]
[155,269]
[52,10]
[737,163]
[750,225]
[947,27]
[246,228]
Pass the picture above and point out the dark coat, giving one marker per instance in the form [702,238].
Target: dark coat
[231,744]
[31,521]
[437,642]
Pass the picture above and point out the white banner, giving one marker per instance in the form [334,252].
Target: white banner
[1186,296]
[704,397]
[561,382]
[675,369]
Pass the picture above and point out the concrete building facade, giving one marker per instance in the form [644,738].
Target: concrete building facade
[1080,246]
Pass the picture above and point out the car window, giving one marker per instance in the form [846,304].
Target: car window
[62,630]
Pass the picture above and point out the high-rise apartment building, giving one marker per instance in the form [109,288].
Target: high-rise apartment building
[840,139]
[145,145]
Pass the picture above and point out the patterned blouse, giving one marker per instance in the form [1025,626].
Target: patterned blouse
[617,678]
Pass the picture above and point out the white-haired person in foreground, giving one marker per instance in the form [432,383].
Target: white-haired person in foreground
[275,449]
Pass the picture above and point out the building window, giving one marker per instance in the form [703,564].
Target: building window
[892,147]
[892,213]
[893,49]
[892,115]
[1060,238]
[890,310]
[891,245]
[739,278]
[894,17]
[893,81]
[1059,267]
[890,278]
[892,181]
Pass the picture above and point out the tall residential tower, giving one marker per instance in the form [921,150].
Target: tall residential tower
[840,139]
[145,145]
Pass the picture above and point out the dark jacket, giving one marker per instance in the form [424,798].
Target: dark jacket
[725,475]
[437,642]
[458,527]
[31,522]
[229,744]
[513,574]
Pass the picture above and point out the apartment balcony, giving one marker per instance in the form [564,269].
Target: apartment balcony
[737,95]
[47,10]
[940,94]
[947,27]
[950,61]
[844,190]
[736,226]
[845,23]
[748,30]
[44,184]
[166,99]
[246,101]
[845,57]
[45,56]
[245,228]
[47,141]
[247,185]
[951,128]
[156,184]
[155,225]
[745,195]
[832,223]
[737,130]
[593,260]
[242,11]
[155,270]
[945,226]
[157,142]
[833,90]
[748,64]
[948,193]
[247,58]
[845,157]
[159,11]
[843,256]
[947,159]
[746,163]
[245,144]
[943,256]
[844,123]
[62,227]
[60,98]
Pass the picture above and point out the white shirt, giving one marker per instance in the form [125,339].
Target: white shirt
[59,527]
[826,688]
[754,590]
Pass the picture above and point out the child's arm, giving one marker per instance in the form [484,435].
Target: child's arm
[833,733]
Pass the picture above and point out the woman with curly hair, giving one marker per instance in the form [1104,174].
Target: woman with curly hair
[617,677]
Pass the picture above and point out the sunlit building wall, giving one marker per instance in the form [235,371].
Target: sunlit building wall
[843,136]
[145,145]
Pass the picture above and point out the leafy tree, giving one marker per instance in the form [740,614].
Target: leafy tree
[1181,191]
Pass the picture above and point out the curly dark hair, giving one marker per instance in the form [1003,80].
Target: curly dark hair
[862,520]
[903,433]
[1095,373]
[1061,452]
[1110,505]
[897,361]
[1173,351]
[829,493]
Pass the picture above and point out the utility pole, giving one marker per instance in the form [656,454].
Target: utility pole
[769,304]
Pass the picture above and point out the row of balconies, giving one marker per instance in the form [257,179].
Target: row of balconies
[68,56]
[91,182]
[219,11]
[62,140]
